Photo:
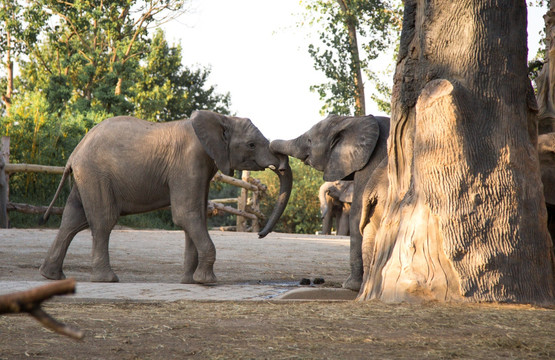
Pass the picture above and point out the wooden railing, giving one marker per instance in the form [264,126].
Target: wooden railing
[248,207]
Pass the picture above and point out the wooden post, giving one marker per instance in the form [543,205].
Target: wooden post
[4,181]
[255,205]
[242,204]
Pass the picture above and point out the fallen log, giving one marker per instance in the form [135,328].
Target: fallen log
[32,209]
[30,302]
[212,206]
[220,207]
[11,168]
[233,181]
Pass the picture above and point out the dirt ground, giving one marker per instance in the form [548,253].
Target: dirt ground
[254,329]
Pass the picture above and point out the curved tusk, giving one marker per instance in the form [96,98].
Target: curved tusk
[272,167]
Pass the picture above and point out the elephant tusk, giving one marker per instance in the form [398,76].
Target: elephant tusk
[272,167]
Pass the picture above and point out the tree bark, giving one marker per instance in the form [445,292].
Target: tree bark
[465,218]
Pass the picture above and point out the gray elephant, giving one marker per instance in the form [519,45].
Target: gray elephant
[126,166]
[546,154]
[344,148]
[335,204]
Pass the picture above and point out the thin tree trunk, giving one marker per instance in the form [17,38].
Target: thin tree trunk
[7,98]
[360,101]
[465,216]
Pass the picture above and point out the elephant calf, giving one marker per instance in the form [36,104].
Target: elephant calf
[335,203]
[127,166]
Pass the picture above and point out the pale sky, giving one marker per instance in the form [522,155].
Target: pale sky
[259,55]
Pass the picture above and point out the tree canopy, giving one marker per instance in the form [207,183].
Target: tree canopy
[79,63]
[353,33]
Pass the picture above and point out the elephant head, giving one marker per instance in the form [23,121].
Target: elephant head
[236,144]
[338,145]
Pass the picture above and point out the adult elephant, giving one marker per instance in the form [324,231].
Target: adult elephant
[335,204]
[127,166]
[546,155]
[344,148]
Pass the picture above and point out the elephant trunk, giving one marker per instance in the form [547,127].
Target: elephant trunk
[285,176]
[288,147]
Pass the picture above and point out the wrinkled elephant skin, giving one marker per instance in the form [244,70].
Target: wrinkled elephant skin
[127,166]
[344,148]
[546,154]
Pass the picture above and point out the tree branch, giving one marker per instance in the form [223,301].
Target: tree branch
[30,301]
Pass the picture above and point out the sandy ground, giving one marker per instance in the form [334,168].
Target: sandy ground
[168,328]
[151,260]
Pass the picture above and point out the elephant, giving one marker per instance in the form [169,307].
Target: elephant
[335,203]
[546,155]
[125,165]
[344,148]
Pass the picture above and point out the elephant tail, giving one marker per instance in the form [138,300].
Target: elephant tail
[43,219]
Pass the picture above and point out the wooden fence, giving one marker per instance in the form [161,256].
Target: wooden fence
[248,207]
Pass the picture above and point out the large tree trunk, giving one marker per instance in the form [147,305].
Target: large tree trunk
[465,217]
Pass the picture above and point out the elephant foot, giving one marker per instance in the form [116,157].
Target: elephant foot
[104,276]
[352,283]
[51,272]
[188,279]
[204,276]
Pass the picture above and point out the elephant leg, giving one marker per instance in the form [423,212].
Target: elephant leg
[102,214]
[73,221]
[326,223]
[343,226]
[188,205]
[354,281]
[191,260]
[327,218]
[101,269]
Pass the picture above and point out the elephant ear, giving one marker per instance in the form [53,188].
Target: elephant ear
[352,143]
[347,193]
[214,131]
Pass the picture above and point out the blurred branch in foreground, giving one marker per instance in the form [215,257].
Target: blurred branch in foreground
[30,301]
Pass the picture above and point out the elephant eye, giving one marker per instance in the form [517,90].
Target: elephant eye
[251,145]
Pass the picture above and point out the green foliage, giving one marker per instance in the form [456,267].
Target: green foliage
[168,91]
[38,136]
[302,215]
[94,50]
[89,63]
[377,25]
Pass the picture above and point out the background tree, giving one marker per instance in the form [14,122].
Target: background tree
[69,82]
[166,90]
[92,50]
[20,26]
[354,32]
[465,217]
